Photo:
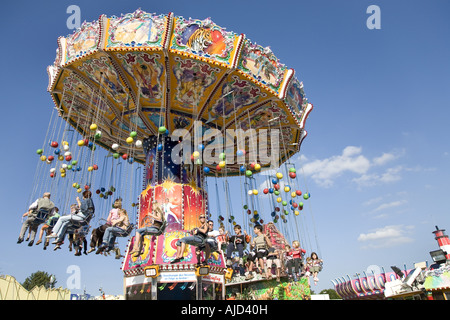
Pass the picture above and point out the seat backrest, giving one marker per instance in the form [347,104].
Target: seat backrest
[129,229]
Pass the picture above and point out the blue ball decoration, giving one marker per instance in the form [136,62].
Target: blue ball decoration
[274,181]
[206,170]
[270,190]
[160,147]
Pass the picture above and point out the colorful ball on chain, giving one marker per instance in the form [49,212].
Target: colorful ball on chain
[306,196]
[93,127]
[255,192]
[80,143]
[222,164]
[242,169]
[160,147]
[270,190]
[133,134]
[248,173]
[257,167]
[276,192]
[138,143]
[54,144]
[274,181]
[292,175]
[206,170]
[129,140]
[287,189]
[162,129]
[279,175]
[266,191]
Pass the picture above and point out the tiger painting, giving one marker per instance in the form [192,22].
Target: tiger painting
[200,39]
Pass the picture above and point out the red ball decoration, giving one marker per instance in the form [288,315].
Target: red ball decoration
[276,186]
[95,167]
[52,175]
[125,156]
[295,205]
[298,192]
[98,191]
[218,168]
[50,158]
[266,191]
[86,187]
[292,175]
[277,209]
[54,144]
[68,158]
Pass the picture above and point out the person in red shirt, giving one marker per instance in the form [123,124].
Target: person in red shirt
[297,259]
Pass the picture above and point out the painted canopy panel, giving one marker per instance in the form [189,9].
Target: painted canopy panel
[141,71]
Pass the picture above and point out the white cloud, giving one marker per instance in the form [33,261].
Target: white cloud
[390,205]
[388,236]
[325,172]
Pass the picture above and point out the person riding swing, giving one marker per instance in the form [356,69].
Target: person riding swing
[157,227]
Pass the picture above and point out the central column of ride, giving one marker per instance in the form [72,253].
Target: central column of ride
[178,189]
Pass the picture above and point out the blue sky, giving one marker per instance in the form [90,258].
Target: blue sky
[376,158]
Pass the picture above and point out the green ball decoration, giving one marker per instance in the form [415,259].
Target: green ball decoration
[116,155]
[292,170]
[39,151]
[284,203]
[162,129]
[134,134]
[276,192]
[248,173]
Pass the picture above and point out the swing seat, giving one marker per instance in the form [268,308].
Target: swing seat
[128,231]
[75,225]
[41,216]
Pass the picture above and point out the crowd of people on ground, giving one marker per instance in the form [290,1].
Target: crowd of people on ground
[260,256]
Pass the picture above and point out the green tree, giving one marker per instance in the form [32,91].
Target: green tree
[39,278]
[331,293]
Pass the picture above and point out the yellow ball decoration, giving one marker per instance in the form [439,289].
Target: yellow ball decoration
[93,127]
[287,189]
[129,140]
[196,154]
[296,212]
[222,164]
[255,192]
[90,168]
[80,143]
[257,167]
[279,199]
[43,158]
[279,175]
[293,194]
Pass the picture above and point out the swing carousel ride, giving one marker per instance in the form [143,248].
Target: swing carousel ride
[149,108]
